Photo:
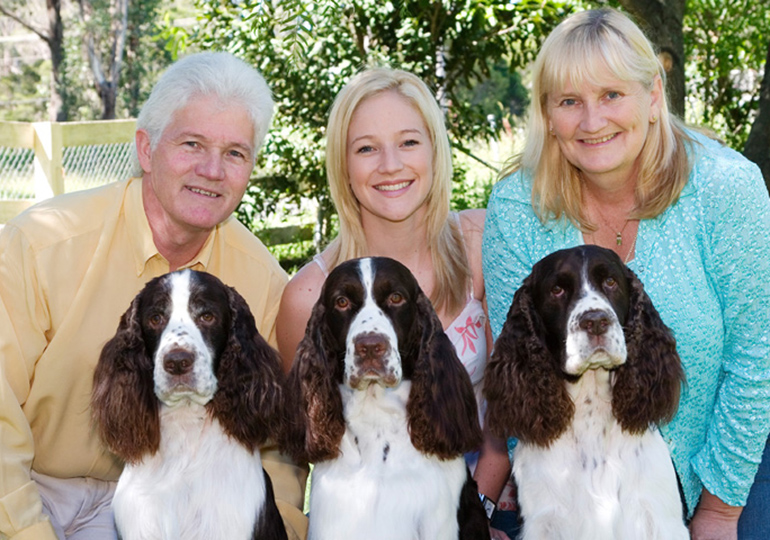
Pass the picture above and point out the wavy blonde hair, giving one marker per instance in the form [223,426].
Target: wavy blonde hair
[450,262]
[603,37]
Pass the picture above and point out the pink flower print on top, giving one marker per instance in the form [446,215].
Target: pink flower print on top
[469,334]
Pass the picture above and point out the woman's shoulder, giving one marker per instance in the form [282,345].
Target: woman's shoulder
[473,220]
[517,186]
[717,166]
[305,286]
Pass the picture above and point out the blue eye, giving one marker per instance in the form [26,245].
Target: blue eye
[364,149]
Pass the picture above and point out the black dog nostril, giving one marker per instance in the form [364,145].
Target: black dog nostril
[595,322]
[371,346]
[178,362]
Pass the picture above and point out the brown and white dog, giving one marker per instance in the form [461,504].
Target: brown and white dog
[185,393]
[582,371]
[384,409]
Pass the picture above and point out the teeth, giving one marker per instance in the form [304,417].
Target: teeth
[599,141]
[393,187]
[204,192]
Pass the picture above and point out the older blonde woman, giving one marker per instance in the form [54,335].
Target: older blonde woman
[390,176]
[606,163]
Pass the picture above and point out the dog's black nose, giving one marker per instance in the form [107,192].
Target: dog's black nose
[371,346]
[178,362]
[594,322]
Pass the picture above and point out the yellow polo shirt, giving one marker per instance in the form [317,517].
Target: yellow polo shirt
[69,268]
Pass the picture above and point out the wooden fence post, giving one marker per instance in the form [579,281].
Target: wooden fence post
[49,175]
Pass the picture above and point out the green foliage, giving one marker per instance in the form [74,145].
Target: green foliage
[726,45]
[309,50]
[146,54]
[23,89]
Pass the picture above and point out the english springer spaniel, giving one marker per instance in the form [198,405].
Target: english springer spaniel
[380,403]
[185,393]
[582,371]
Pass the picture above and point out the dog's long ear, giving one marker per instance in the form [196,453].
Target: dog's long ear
[646,387]
[249,398]
[442,410]
[124,409]
[315,423]
[526,396]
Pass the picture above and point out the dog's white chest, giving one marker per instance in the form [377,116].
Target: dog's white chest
[381,487]
[596,482]
[186,489]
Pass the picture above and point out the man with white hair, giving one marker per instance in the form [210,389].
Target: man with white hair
[70,266]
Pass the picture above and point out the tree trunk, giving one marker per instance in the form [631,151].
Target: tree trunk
[107,82]
[53,35]
[57,109]
[757,147]
[662,21]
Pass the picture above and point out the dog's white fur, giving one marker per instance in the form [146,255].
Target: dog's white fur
[636,472]
[385,487]
[169,495]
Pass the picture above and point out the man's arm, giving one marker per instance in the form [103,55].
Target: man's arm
[21,510]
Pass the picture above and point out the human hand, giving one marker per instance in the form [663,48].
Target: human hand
[715,520]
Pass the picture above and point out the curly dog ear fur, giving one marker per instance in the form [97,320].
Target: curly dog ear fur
[249,399]
[646,388]
[123,382]
[315,423]
[442,410]
[526,396]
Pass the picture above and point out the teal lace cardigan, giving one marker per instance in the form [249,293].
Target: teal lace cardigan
[705,263]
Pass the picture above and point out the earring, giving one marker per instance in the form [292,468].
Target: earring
[653,119]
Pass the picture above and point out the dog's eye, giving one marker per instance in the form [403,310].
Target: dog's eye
[396,299]
[610,282]
[207,317]
[557,291]
[155,320]
[341,302]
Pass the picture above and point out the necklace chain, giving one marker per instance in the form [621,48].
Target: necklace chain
[618,234]
[631,250]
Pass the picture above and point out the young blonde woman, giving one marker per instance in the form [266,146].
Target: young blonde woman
[606,163]
[389,166]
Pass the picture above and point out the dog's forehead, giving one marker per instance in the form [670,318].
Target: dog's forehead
[344,279]
[389,274]
[157,291]
[205,287]
[367,274]
[586,258]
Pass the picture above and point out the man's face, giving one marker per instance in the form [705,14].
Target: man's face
[197,174]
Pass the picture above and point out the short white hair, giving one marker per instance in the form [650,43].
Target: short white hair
[218,74]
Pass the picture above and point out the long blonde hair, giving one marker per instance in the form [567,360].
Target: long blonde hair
[569,55]
[450,263]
